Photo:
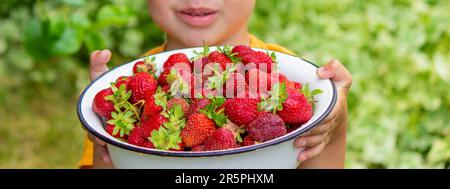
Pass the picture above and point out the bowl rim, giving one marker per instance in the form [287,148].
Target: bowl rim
[238,150]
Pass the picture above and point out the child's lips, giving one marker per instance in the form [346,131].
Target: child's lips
[197,17]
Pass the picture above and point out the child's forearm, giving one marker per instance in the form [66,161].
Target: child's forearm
[333,155]
[98,162]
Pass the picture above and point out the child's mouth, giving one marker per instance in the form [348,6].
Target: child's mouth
[199,17]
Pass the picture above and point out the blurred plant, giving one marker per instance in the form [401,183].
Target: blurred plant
[397,50]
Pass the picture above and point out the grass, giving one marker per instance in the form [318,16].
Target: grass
[40,136]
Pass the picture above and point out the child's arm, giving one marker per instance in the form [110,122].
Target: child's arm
[98,61]
[325,145]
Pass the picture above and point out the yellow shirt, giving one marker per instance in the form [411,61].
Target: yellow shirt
[87,158]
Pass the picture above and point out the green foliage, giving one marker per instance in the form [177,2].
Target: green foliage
[397,51]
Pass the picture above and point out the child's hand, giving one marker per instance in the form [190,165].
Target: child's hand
[334,124]
[98,62]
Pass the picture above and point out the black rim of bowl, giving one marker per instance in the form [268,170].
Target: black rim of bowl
[272,142]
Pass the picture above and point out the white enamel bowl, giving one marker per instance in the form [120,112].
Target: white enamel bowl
[276,153]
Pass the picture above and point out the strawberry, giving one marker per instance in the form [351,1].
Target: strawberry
[167,136]
[138,67]
[202,125]
[259,58]
[147,65]
[181,102]
[218,57]
[123,123]
[291,128]
[198,128]
[198,148]
[150,108]
[110,130]
[259,82]
[242,50]
[180,148]
[296,109]
[235,86]
[123,80]
[162,79]
[101,105]
[142,85]
[289,83]
[221,139]
[197,105]
[180,82]
[241,111]
[248,141]
[153,123]
[138,137]
[148,144]
[154,104]
[266,126]
[178,58]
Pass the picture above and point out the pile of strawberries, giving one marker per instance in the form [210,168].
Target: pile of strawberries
[225,99]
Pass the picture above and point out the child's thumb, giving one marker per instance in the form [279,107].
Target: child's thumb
[337,72]
[98,62]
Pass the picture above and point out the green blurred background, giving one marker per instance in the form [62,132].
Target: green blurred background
[397,50]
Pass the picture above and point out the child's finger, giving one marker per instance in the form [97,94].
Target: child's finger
[337,72]
[309,153]
[102,151]
[98,61]
[309,141]
[96,140]
[323,128]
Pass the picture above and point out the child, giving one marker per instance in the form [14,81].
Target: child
[224,22]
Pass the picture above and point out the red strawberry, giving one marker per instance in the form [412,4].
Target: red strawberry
[123,80]
[259,58]
[197,105]
[101,106]
[181,102]
[241,111]
[198,128]
[296,109]
[179,81]
[148,144]
[153,123]
[259,82]
[248,141]
[266,126]
[289,83]
[180,149]
[235,86]
[150,108]
[138,137]
[110,129]
[292,128]
[221,139]
[242,50]
[165,88]
[141,66]
[218,57]
[162,79]
[142,86]
[197,65]
[198,148]
[138,66]
[178,58]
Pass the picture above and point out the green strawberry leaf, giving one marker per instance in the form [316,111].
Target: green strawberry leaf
[168,136]
[123,122]
[274,103]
